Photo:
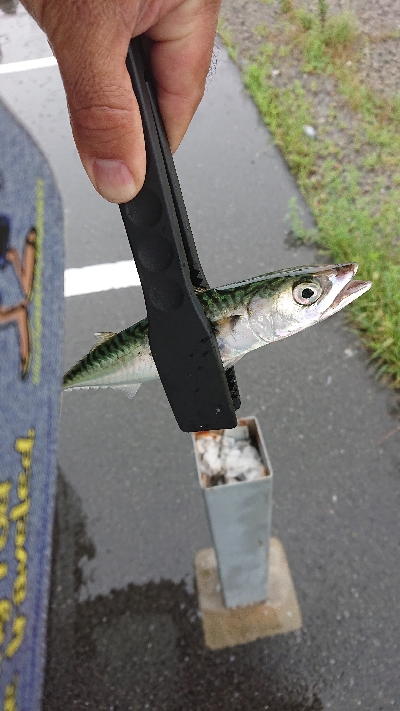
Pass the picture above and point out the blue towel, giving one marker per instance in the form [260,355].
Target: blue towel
[31,316]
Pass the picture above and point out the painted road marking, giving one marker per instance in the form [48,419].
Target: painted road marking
[12,67]
[100,277]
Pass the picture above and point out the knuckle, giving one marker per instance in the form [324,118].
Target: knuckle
[101,125]
[105,113]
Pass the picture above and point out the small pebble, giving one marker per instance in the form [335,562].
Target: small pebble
[310,131]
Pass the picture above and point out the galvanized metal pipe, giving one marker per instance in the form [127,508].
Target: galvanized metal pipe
[239,516]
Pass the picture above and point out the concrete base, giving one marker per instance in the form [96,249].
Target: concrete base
[227,627]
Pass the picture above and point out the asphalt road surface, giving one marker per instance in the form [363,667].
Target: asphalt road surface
[124,630]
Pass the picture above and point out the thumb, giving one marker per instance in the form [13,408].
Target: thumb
[104,113]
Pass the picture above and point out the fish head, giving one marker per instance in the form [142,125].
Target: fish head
[293,299]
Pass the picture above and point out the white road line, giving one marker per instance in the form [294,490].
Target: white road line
[100,277]
[12,67]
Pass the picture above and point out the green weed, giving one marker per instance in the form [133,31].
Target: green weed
[284,50]
[323,10]
[349,230]
[224,31]
[371,161]
[316,58]
[286,112]
[354,223]
[339,31]
[261,30]
[322,39]
[352,226]
[286,6]
[306,19]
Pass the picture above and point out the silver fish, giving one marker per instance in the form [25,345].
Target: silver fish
[244,316]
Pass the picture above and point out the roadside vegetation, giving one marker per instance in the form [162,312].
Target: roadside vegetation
[342,143]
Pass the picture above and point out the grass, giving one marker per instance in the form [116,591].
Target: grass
[323,11]
[354,223]
[323,38]
[261,29]
[225,33]
[286,6]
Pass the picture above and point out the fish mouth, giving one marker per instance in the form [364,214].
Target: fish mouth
[347,288]
[349,293]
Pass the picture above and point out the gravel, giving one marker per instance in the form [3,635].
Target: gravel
[377,20]
[252,23]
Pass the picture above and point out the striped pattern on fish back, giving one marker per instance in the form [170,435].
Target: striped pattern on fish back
[217,303]
[107,354]
[226,300]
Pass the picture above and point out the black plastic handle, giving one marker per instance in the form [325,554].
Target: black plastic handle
[181,339]
[197,276]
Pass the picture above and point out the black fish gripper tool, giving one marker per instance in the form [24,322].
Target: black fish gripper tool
[201,394]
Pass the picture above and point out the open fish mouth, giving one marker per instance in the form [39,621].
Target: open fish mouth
[351,291]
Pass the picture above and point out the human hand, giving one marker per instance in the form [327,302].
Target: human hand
[90,40]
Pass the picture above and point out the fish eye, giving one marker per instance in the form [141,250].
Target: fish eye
[307,293]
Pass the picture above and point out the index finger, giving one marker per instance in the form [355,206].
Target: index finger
[180,58]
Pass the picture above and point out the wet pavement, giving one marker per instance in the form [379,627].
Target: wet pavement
[124,630]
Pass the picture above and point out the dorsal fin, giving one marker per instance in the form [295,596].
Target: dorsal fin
[101,337]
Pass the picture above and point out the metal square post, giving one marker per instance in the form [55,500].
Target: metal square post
[240,521]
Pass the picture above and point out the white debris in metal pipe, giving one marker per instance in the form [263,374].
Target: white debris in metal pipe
[228,457]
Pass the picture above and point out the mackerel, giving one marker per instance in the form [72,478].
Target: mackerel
[244,316]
